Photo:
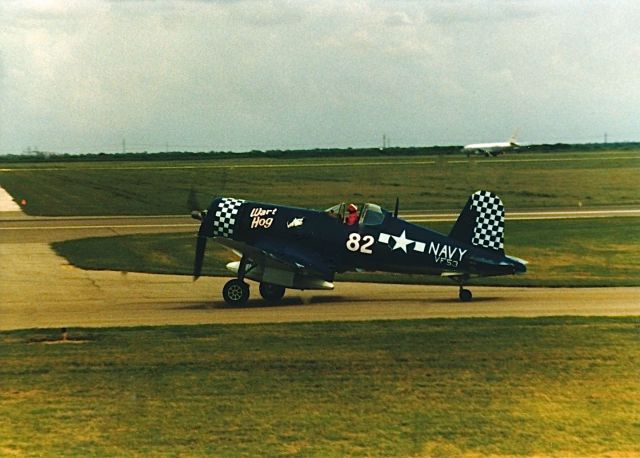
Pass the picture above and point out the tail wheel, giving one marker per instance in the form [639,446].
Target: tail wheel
[465,295]
[271,293]
[235,292]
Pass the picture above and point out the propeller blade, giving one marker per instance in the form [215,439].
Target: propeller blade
[206,230]
[192,200]
[201,244]
[395,211]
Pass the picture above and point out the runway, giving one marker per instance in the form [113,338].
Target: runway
[480,160]
[54,229]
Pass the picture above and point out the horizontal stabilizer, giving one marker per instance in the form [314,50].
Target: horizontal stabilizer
[453,274]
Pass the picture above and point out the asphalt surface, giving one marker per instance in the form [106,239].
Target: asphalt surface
[19,229]
[38,289]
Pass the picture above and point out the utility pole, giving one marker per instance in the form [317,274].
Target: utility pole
[605,138]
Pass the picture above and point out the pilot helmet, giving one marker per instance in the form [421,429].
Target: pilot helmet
[352,208]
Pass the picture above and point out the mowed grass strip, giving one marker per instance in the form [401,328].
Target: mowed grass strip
[575,252]
[545,387]
[421,182]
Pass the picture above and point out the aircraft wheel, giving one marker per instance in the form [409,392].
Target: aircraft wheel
[271,293]
[465,295]
[235,292]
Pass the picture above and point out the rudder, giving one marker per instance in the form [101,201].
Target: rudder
[481,222]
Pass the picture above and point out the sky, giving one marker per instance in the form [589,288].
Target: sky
[90,76]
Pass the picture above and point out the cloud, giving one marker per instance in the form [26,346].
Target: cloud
[277,74]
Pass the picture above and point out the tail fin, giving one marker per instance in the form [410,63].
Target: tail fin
[513,141]
[481,222]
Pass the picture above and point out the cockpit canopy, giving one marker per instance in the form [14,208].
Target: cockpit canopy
[369,214]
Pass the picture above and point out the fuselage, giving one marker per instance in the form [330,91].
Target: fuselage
[379,242]
[490,149]
[489,146]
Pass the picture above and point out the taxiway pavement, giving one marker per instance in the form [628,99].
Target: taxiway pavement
[39,289]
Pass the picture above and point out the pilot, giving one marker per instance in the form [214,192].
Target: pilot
[352,217]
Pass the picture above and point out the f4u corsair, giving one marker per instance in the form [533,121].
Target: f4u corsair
[286,247]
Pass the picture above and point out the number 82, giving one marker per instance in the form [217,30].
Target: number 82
[353,243]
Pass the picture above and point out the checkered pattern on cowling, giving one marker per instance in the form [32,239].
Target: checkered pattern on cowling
[225,216]
[489,229]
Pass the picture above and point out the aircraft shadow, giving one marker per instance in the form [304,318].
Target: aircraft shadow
[260,303]
[455,300]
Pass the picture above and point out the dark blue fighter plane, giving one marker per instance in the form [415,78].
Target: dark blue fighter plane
[286,247]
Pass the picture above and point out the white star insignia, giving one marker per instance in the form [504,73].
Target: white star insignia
[402,241]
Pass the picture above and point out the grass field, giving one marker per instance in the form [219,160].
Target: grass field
[552,386]
[579,252]
[421,182]
[557,386]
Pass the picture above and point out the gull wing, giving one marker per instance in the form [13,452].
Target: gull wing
[290,257]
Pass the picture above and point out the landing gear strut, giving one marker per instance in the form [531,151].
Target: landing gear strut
[465,295]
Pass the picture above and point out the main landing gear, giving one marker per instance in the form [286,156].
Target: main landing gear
[271,293]
[464,295]
[236,292]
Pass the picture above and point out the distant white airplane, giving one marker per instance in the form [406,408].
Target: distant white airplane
[491,149]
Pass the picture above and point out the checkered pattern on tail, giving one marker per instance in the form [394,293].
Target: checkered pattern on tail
[489,228]
[225,216]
